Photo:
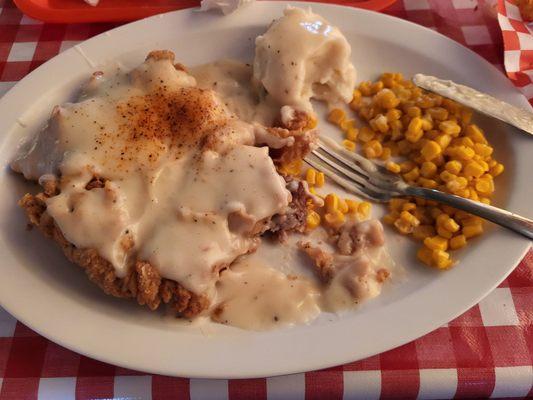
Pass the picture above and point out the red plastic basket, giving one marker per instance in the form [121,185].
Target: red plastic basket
[77,11]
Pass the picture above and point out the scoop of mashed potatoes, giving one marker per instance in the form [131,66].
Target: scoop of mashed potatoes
[301,56]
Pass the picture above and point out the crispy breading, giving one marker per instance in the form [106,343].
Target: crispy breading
[142,282]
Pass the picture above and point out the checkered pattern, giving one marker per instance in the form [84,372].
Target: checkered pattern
[518,44]
[486,352]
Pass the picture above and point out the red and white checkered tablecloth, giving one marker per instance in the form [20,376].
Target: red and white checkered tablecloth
[486,352]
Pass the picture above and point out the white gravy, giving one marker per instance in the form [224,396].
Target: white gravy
[184,182]
[252,295]
[185,185]
[301,56]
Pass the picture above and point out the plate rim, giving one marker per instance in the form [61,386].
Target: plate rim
[399,342]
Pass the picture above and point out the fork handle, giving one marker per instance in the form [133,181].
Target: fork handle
[501,217]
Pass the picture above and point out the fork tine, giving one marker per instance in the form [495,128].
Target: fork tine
[345,181]
[374,173]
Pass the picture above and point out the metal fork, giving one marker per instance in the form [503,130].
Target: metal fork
[364,177]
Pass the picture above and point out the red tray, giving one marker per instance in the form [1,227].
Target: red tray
[77,11]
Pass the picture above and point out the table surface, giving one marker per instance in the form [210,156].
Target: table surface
[487,351]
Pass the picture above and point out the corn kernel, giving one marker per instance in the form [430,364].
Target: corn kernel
[320,179]
[436,243]
[463,141]
[420,202]
[403,226]
[310,176]
[450,128]
[472,230]
[425,102]
[337,116]
[347,124]
[438,113]
[413,111]
[483,149]
[409,218]
[462,152]
[427,123]
[373,149]
[393,115]
[348,145]
[390,218]
[431,150]
[443,140]
[385,153]
[351,134]
[352,205]
[456,184]
[343,206]
[451,106]
[473,169]
[387,99]
[367,113]
[444,233]
[428,169]
[388,79]
[364,88]
[485,186]
[334,219]
[366,134]
[466,116]
[312,123]
[441,259]
[451,225]
[425,255]
[332,203]
[364,209]
[497,169]
[356,101]
[376,87]
[485,200]
[408,206]
[423,231]
[414,130]
[379,123]
[412,175]
[453,167]
[475,133]
[393,167]
[427,183]
[457,242]
[312,220]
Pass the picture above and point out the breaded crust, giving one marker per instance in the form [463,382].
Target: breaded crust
[142,282]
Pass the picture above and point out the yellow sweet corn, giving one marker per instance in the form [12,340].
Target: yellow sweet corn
[351,134]
[431,150]
[310,176]
[364,209]
[372,149]
[352,206]
[320,179]
[457,242]
[425,255]
[334,219]
[441,259]
[423,231]
[348,145]
[312,220]
[436,243]
[393,167]
[336,116]
[472,230]
[331,203]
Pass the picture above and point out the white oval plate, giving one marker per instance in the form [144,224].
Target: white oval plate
[53,297]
